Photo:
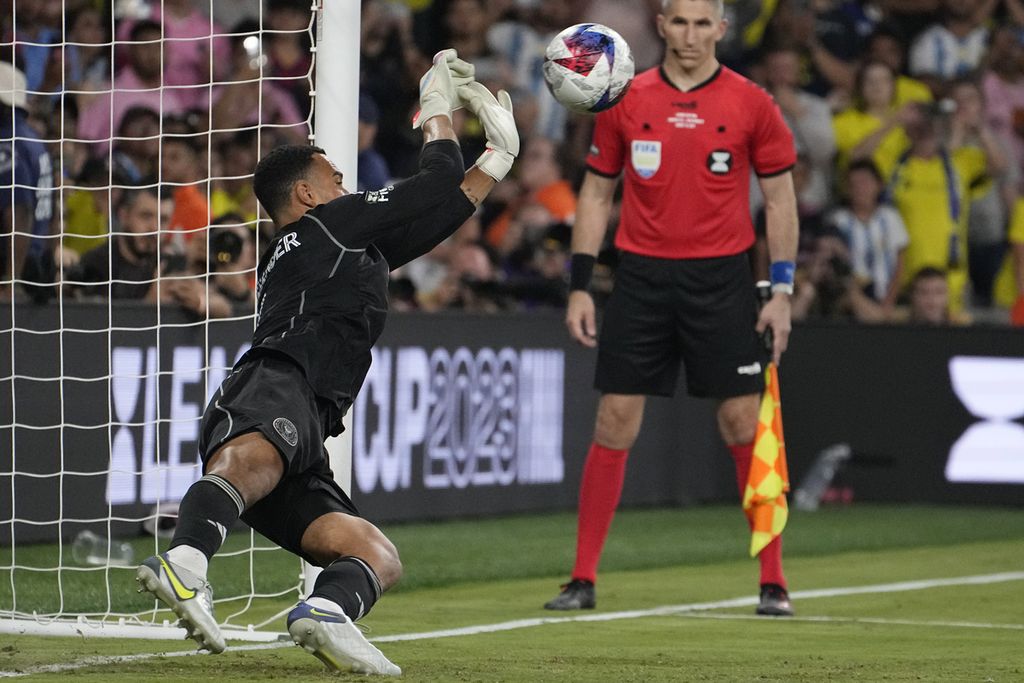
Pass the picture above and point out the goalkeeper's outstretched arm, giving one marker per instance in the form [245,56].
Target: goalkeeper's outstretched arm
[439,95]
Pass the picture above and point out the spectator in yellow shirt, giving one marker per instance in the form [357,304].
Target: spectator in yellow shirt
[874,127]
[232,190]
[1009,286]
[87,210]
[886,44]
[930,187]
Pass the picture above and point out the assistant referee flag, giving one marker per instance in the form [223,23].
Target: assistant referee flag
[764,499]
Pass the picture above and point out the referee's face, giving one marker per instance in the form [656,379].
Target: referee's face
[691,28]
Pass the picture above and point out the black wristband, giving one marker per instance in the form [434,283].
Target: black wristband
[580,272]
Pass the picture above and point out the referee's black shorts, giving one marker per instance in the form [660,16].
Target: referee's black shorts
[702,312]
[269,394]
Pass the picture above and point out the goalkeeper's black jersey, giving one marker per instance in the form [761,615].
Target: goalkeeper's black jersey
[321,291]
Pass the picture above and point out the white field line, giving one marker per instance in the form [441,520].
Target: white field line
[667,610]
[704,606]
[859,620]
[104,660]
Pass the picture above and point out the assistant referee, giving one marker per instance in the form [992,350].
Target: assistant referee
[684,139]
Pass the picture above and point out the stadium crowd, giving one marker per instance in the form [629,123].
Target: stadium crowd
[908,117]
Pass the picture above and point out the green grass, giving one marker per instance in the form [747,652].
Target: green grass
[667,537]
[469,573]
[488,549]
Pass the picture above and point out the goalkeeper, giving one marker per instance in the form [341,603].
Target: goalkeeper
[321,304]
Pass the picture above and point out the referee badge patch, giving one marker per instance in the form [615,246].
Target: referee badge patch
[286,428]
[720,162]
[646,157]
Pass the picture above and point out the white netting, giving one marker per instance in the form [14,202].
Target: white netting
[129,307]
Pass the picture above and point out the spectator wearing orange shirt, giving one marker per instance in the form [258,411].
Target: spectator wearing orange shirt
[542,189]
[181,166]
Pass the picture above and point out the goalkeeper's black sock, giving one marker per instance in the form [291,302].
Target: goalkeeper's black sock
[350,583]
[210,507]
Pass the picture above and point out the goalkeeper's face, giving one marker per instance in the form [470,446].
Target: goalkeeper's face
[323,182]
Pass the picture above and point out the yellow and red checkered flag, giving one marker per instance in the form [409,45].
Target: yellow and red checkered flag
[764,499]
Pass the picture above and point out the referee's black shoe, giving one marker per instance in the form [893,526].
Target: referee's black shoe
[577,594]
[774,601]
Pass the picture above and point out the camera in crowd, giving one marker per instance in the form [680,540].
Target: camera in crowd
[174,261]
[840,267]
[225,247]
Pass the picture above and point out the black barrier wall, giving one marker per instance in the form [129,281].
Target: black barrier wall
[503,424]
[465,416]
[932,414]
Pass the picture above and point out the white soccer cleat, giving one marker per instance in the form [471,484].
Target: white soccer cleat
[189,596]
[335,640]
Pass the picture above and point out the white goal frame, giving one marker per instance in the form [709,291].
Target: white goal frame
[334,104]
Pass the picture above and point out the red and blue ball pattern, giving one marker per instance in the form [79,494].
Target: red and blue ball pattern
[588,67]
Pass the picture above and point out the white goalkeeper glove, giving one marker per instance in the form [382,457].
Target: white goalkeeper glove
[499,126]
[438,84]
[462,74]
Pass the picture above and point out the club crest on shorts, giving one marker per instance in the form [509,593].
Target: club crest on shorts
[720,162]
[646,157]
[286,428]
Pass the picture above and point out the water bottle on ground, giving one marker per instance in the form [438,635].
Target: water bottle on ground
[92,549]
[818,478]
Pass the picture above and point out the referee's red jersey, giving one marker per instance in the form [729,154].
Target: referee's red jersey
[687,158]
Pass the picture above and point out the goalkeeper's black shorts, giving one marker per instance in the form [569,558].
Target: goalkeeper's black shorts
[698,312]
[270,395]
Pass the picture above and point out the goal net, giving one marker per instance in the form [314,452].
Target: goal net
[128,139]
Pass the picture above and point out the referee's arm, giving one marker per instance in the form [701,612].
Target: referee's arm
[780,216]
[593,209]
[782,229]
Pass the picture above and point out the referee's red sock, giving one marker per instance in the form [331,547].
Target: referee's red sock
[600,491]
[771,556]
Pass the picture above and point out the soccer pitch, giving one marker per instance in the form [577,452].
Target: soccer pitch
[881,592]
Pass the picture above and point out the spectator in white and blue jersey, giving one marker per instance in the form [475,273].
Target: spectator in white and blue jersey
[522,45]
[26,189]
[874,234]
[955,45]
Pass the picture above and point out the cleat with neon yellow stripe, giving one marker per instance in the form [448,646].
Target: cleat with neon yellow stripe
[332,638]
[189,596]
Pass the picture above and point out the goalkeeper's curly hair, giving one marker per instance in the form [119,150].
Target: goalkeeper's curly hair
[278,171]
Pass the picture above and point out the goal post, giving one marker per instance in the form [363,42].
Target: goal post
[100,401]
[335,126]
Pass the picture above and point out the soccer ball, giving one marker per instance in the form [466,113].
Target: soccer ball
[588,68]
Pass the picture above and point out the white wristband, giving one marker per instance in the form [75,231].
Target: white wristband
[784,287]
[495,163]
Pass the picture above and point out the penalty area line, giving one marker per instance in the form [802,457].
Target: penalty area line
[690,610]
